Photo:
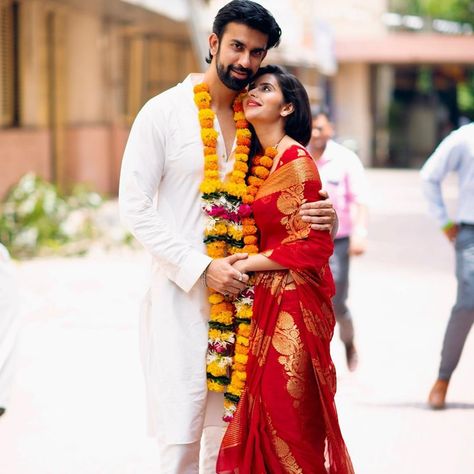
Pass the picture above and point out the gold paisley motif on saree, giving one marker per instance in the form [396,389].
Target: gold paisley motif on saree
[283,451]
[287,342]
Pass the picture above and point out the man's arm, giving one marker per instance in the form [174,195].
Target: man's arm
[321,214]
[443,160]
[141,173]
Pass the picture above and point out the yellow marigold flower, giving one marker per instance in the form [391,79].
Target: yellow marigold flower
[229,404]
[211,158]
[206,114]
[244,312]
[239,174]
[215,298]
[202,100]
[216,249]
[237,383]
[214,368]
[235,233]
[212,174]
[209,186]
[241,375]
[214,386]
[241,157]
[239,116]
[244,329]
[243,340]
[234,390]
[209,137]
[241,358]
[224,317]
[243,133]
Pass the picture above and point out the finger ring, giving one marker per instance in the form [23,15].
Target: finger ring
[241,277]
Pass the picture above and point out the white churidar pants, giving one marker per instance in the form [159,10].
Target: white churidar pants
[198,457]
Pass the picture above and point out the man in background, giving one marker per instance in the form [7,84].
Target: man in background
[343,177]
[8,325]
[454,154]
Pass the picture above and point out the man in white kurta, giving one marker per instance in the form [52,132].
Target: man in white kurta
[9,325]
[161,202]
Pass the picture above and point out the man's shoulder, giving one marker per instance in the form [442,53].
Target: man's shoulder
[342,153]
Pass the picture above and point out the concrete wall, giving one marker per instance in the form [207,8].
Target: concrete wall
[21,152]
[352,114]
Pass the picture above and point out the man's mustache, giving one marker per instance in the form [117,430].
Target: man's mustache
[241,69]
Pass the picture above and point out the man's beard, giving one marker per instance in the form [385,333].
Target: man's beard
[232,82]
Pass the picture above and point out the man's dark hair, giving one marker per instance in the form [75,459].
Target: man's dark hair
[317,110]
[250,14]
[298,124]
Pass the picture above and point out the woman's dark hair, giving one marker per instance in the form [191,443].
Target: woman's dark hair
[298,124]
[247,13]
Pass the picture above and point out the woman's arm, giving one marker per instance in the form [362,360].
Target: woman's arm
[257,263]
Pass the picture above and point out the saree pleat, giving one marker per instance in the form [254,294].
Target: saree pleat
[286,420]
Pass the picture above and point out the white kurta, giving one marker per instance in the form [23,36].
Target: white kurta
[161,204]
[9,324]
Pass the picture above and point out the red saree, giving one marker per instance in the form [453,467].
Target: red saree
[286,421]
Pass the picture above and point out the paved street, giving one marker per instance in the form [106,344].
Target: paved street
[77,405]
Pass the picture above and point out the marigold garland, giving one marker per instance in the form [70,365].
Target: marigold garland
[230,229]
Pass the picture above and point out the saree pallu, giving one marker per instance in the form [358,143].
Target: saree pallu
[286,420]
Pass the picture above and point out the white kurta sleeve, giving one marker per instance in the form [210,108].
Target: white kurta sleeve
[142,170]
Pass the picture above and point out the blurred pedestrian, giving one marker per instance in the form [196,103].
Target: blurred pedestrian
[344,179]
[454,154]
[8,325]
[188,133]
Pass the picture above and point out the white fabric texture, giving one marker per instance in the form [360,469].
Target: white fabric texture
[160,202]
[9,324]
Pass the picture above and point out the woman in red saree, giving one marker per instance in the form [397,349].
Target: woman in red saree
[286,420]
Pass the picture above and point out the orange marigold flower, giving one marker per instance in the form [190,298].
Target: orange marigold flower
[209,150]
[250,240]
[241,349]
[202,87]
[248,199]
[252,190]
[255,181]
[248,221]
[243,141]
[249,230]
[241,166]
[241,124]
[250,249]
[206,123]
[237,366]
[262,172]
[271,151]
[244,329]
[242,149]
[266,161]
